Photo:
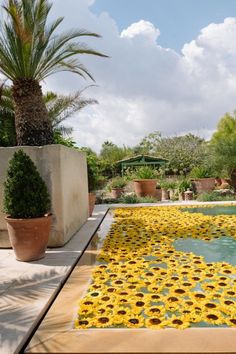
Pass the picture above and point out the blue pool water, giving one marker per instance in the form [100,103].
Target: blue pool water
[216,210]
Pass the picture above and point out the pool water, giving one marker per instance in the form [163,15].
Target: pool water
[215,210]
[222,249]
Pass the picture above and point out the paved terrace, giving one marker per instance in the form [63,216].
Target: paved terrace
[26,288]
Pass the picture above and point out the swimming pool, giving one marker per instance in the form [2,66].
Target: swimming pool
[163,267]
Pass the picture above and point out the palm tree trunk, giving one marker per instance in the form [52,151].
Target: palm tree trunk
[33,126]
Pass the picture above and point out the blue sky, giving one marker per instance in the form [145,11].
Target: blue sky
[178,20]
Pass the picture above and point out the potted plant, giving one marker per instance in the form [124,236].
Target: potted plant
[145,180]
[27,205]
[165,195]
[203,179]
[183,185]
[117,185]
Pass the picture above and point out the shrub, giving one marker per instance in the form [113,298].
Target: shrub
[118,182]
[129,199]
[25,193]
[147,199]
[214,197]
[93,173]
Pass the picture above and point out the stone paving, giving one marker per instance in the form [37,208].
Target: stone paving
[25,288]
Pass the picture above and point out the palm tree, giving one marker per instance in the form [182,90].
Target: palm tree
[30,51]
[7,118]
[59,108]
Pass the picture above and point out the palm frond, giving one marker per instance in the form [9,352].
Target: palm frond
[62,107]
[30,48]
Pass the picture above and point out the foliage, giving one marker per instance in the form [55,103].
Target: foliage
[167,184]
[133,199]
[129,199]
[214,196]
[202,172]
[145,172]
[25,192]
[94,177]
[59,108]
[183,185]
[31,49]
[7,118]
[182,152]
[59,139]
[109,155]
[147,199]
[118,182]
[223,144]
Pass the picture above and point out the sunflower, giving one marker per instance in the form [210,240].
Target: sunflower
[103,321]
[178,322]
[83,323]
[155,322]
[134,321]
[231,321]
[214,317]
[154,311]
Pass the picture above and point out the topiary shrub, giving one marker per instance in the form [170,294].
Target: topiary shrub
[25,193]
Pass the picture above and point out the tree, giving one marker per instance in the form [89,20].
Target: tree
[223,144]
[59,109]
[182,152]
[7,118]
[30,51]
[109,155]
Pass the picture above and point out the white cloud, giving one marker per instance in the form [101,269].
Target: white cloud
[143,29]
[144,87]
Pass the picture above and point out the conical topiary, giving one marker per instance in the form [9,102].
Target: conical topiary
[25,194]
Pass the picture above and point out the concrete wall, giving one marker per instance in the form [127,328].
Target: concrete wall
[65,172]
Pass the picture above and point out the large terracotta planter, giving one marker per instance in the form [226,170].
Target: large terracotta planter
[92,200]
[145,187]
[117,192]
[201,185]
[29,237]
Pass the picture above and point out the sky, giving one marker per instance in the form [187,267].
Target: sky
[171,67]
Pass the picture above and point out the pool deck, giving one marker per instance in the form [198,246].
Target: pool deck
[26,288]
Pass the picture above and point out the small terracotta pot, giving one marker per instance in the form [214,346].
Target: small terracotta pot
[92,200]
[145,187]
[117,192]
[29,237]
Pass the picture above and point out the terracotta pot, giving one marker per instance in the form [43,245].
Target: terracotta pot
[92,200]
[201,185]
[165,195]
[145,187]
[117,192]
[29,237]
